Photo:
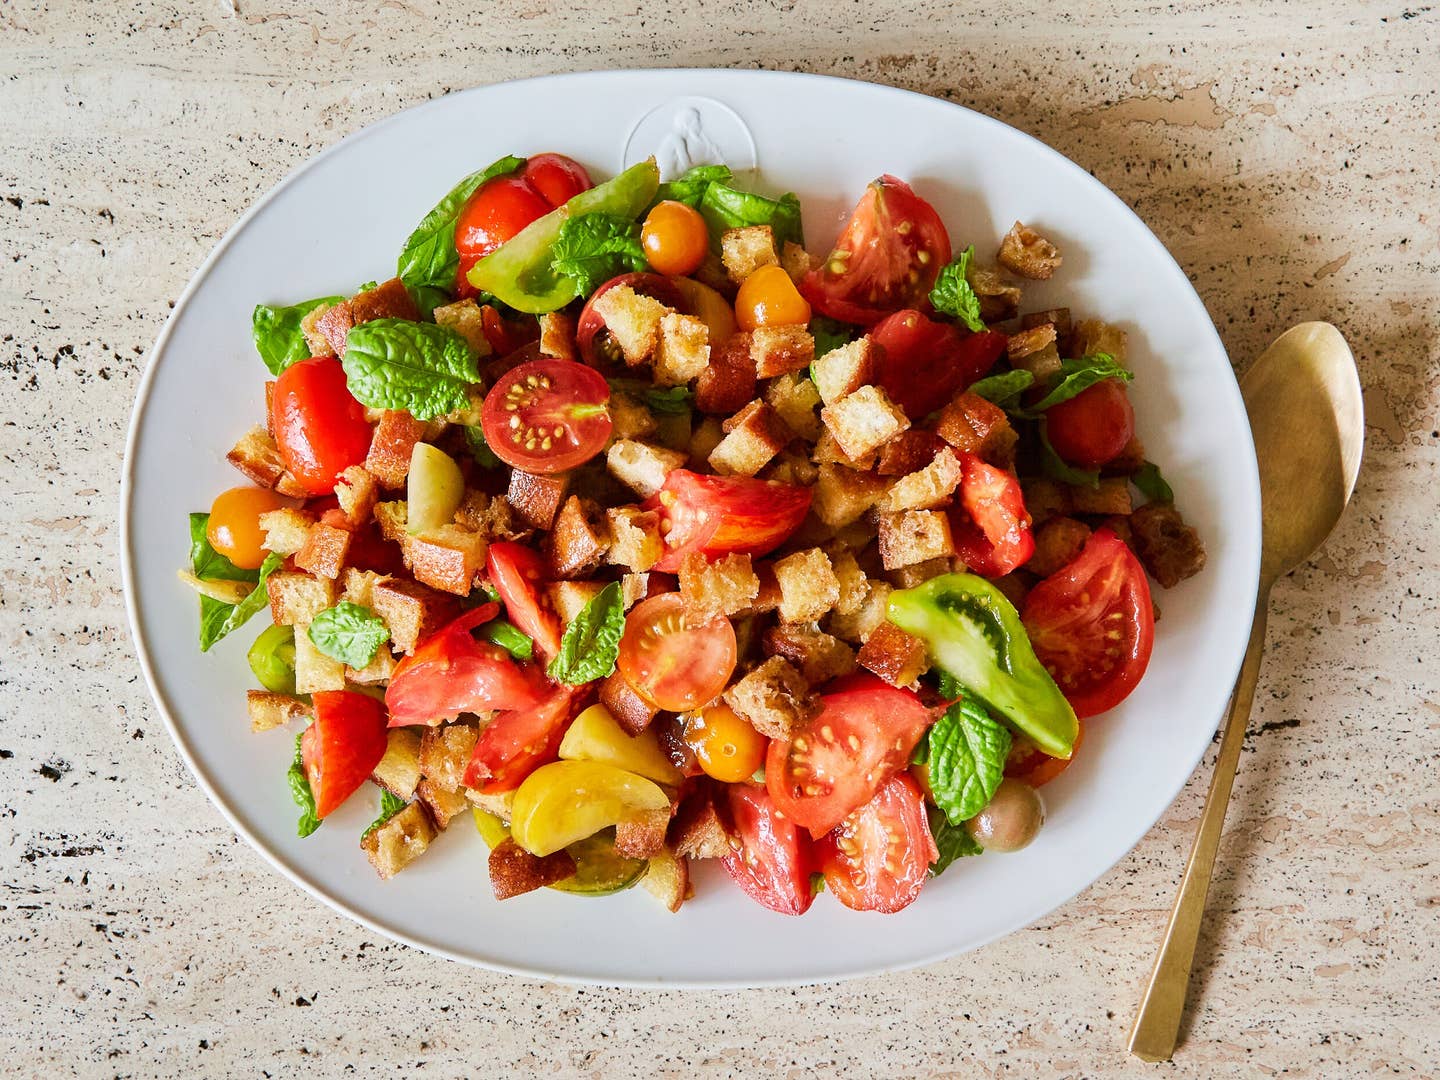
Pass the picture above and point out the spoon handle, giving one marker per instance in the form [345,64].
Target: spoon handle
[1157,1025]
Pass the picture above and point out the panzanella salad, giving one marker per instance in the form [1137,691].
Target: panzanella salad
[619,525]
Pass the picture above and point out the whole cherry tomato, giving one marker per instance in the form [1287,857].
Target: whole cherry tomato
[319,426]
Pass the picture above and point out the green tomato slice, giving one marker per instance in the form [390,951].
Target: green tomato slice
[272,659]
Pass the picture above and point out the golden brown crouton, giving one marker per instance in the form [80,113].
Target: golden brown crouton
[356,492]
[315,341]
[631,711]
[286,529]
[641,466]
[445,751]
[557,335]
[773,698]
[399,770]
[842,495]
[979,427]
[629,418]
[324,551]
[1031,340]
[780,350]
[535,499]
[908,452]
[767,599]
[698,832]
[1025,252]
[447,558]
[864,421]
[314,671]
[296,597]
[729,380]
[1044,498]
[514,871]
[1110,496]
[843,370]
[1056,317]
[818,656]
[257,456]
[808,585]
[269,710]
[377,671]
[578,543]
[633,321]
[726,586]
[792,467]
[642,836]
[908,577]
[466,319]
[926,489]
[753,436]
[1093,336]
[444,806]
[1170,549]
[633,588]
[1057,542]
[391,446]
[857,626]
[683,350]
[999,298]
[569,598]
[795,398]
[410,611]
[1129,461]
[897,657]
[637,544]
[668,880]
[388,300]
[854,586]
[796,261]
[828,452]
[745,250]
[501,523]
[1015,586]
[392,518]
[914,536]
[400,841]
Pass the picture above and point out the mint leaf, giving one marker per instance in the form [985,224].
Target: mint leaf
[1056,468]
[690,187]
[480,449]
[952,294]
[1003,388]
[218,618]
[1152,485]
[670,400]
[724,207]
[593,248]
[421,368]
[301,793]
[508,637]
[952,841]
[429,257]
[390,805]
[427,298]
[1077,376]
[967,751]
[348,633]
[277,334]
[592,642]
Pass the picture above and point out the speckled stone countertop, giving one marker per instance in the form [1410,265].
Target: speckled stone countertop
[1287,154]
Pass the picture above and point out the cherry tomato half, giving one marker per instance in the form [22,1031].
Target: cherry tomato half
[674,237]
[518,574]
[319,426]
[1092,625]
[673,660]
[993,534]
[925,363]
[341,748]
[234,526]
[773,859]
[1093,427]
[717,515]
[888,257]
[878,858]
[547,416]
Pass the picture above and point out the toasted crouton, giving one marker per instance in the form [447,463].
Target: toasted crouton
[633,321]
[999,298]
[808,585]
[514,871]
[796,261]
[393,518]
[388,300]
[897,657]
[1057,542]
[637,544]
[391,446]
[697,831]
[1110,496]
[447,558]
[286,529]
[976,426]
[642,836]
[296,597]
[569,598]
[767,599]
[854,586]
[633,588]
[1029,341]
[818,656]
[1093,336]
[683,350]
[857,626]
[1170,549]
[774,699]
[780,350]
[754,435]
[795,398]
[467,320]
[828,452]
[631,711]
[704,439]
[1044,498]
[908,577]
[864,421]
[269,710]
[908,452]
[640,466]
[356,492]
[726,586]
[1129,461]
[377,671]
[535,499]
[410,611]
[792,467]
[579,540]
[728,382]
[398,772]
[668,880]
[1056,317]
[324,551]
[557,335]
[843,370]
[445,751]
[629,418]
[444,806]
[926,489]
[501,523]
[842,495]
[314,671]
[914,536]
[745,250]
[400,841]
[315,341]
[1025,252]
[257,456]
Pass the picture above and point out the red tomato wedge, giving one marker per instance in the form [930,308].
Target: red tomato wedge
[926,363]
[547,416]
[888,257]
[450,673]
[673,660]
[319,426]
[518,574]
[877,859]
[716,515]
[993,534]
[1092,624]
[517,743]
[773,860]
[1093,427]
[342,747]
[592,337]
[1031,765]
[836,762]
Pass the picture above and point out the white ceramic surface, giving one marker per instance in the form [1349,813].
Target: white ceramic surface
[340,220]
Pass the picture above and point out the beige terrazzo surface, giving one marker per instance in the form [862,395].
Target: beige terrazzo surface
[1287,155]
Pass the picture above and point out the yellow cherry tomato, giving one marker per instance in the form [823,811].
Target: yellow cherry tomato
[674,238]
[709,307]
[234,527]
[769,298]
[727,747]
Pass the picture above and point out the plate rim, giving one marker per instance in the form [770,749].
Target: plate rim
[182,743]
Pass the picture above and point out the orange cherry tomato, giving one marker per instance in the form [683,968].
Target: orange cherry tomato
[675,238]
[670,659]
[769,298]
[234,528]
[727,747]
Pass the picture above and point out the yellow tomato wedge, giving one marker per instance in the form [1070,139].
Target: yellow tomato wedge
[492,830]
[596,736]
[433,488]
[709,307]
[567,801]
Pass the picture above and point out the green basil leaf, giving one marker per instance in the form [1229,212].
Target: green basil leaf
[592,642]
[595,247]
[206,562]
[952,294]
[967,751]
[277,334]
[1077,376]
[1152,485]
[429,257]
[1003,388]
[390,805]
[1056,468]
[218,619]
[508,637]
[427,298]
[831,333]
[348,633]
[424,369]
[670,400]
[724,207]
[301,793]
[480,449]
[952,841]
[690,187]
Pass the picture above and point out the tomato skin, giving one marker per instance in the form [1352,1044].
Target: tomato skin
[556,177]
[1031,765]
[878,858]
[450,673]
[993,537]
[518,574]
[318,425]
[1074,615]
[342,747]
[724,746]
[773,860]
[769,298]
[234,526]
[926,363]
[547,416]
[1093,427]
[670,661]
[591,338]
[892,234]
[820,776]
[717,515]
[516,743]
[675,238]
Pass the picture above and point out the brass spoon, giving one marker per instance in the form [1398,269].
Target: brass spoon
[1303,397]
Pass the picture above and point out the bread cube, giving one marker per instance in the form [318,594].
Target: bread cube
[636,541]
[641,466]
[445,752]
[629,418]
[1170,549]
[780,350]
[569,598]
[913,536]
[314,671]
[728,382]
[379,670]
[324,551]
[400,841]
[754,435]
[1092,336]
[297,597]
[908,452]
[286,529]
[633,321]
[726,586]
[315,341]
[466,319]
[410,611]
[999,298]
[1057,542]
[356,492]
[1044,498]
[698,832]
[443,806]
[808,585]
[258,457]
[631,711]
[864,421]
[642,836]
[388,300]
[908,577]
[774,699]
[578,543]
[976,426]
[1025,252]
[1110,496]
[447,558]
[897,657]
[844,370]
[854,586]
[1031,340]
[818,656]
[535,499]
[391,445]
[398,772]
[683,351]
[268,710]
[926,489]
[796,261]
[795,399]
[857,626]
[557,335]
[745,250]
[841,495]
